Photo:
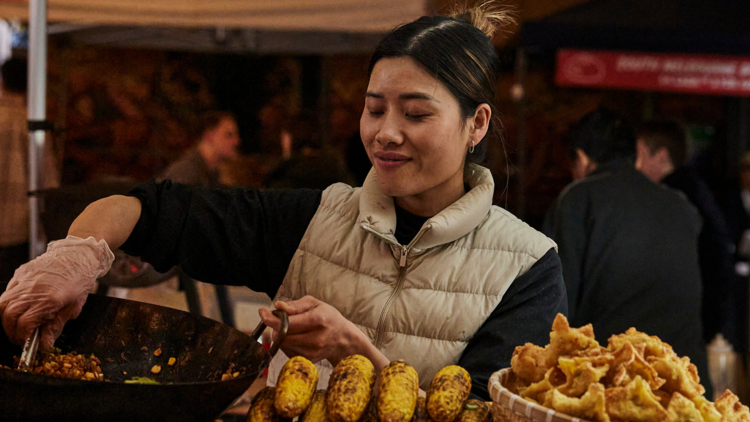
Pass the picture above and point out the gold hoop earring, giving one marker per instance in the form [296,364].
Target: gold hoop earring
[471,148]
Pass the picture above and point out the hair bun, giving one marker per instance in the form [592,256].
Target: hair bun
[488,16]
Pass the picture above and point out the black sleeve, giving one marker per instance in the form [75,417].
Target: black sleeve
[228,236]
[567,225]
[524,315]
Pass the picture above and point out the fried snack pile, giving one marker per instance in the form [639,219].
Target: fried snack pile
[70,365]
[635,378]
[351,398]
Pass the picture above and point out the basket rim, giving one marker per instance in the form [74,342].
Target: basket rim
[503,397]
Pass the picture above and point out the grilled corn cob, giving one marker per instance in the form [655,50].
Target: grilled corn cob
[398,390]
[371,412]
[474,411]
[420,411]
[262,408]
[349,389]
[295,387]
[316,411]
[448,393]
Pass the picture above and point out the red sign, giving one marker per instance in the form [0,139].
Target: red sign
[717,75]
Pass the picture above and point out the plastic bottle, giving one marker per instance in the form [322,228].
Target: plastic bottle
[722,365]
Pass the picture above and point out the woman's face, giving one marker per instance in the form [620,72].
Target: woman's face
[412,130]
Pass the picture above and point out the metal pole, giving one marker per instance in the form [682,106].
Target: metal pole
[37,103]
[62,104]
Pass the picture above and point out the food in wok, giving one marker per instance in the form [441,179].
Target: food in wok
[54,363]
[69,365]
[116,331]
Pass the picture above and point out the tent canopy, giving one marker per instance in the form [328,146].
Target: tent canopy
[316,15]
[260,26]
[687,26]
[219,40]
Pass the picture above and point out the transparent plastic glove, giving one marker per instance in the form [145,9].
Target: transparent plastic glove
[51,289]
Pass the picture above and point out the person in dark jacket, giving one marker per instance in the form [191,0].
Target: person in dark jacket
[629,247]
[662,155]
[735,203]
[736,206]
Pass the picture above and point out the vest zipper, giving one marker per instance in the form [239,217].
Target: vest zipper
[399,284]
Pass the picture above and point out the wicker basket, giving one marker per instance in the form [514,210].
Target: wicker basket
[509,407]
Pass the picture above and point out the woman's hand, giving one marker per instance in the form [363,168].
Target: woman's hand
[318,331]
[51,289]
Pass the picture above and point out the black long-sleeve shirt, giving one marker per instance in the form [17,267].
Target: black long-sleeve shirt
[248,237]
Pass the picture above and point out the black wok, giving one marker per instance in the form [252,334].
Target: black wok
[117,330]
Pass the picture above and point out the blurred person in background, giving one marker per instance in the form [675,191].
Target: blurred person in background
[736,205]
[628,246]
[311,165]
[199,166]
[662,155]
[218,142]
[14,169]
[275,138]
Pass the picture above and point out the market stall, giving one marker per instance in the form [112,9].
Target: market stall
[320,27]
[442,315]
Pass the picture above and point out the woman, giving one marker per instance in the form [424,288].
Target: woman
[416,265]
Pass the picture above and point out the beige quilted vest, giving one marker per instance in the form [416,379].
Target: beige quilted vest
[420,302]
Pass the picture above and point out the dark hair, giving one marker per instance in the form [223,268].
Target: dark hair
[658,134]
[604,135]
[210,119]
[15,76]
[458,54]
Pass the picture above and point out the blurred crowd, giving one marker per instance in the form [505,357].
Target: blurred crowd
[641,231]
[644,242]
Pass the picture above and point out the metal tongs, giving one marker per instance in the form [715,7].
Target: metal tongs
[29,350]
